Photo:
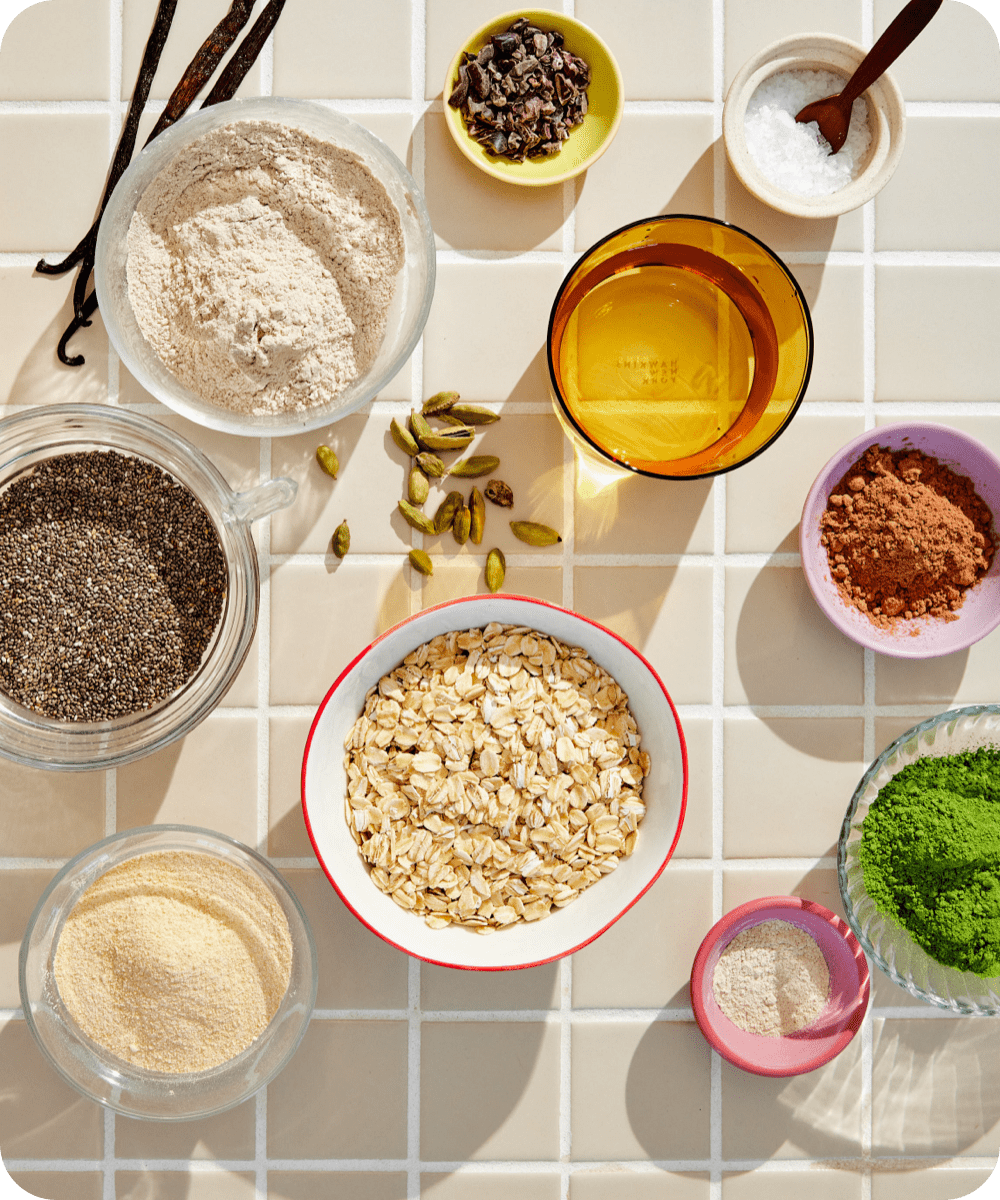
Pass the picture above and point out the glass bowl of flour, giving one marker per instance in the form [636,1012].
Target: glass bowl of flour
[265,266]
[168,972]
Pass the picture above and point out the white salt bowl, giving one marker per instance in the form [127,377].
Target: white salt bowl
[324,787]
[886,121]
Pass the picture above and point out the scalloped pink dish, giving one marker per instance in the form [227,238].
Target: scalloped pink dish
[829,1034]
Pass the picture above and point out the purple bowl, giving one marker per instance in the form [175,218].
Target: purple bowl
[980,611]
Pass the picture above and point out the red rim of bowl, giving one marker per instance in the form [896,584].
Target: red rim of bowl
[719,1031]
[440,962]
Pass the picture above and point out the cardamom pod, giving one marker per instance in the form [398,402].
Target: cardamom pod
[328,460]
[496,570]
[420,560]
[417,487]
[430,464]
[420,429]
[413,516]
[341,539]
[534,534]
[456,438]
[444,518]
[477,507]
[403,438]
[448,419]
[474,414]
[472,468]
[463,524]
[440,402]
[497,491]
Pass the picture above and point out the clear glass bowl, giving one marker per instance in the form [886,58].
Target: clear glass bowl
[887,943]
[410,304]
[101,1076]
[40,433]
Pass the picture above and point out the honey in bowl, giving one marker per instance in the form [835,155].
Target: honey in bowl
[678,347]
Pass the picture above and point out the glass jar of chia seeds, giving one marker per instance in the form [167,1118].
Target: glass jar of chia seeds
[27,440]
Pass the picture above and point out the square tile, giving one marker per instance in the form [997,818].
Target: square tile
[622,188]
[953,680]
[34,311]
[336,1185]
[287,837]
[790,1185]
[749,28]
[501,1186]
[783,233]
[948,1183]
[622,1184]
[189,28]
[515,1117]
[638,515]
[354,1073]
[372,477]
[750,883]
[229,1135]
[644,960]
[207,778]
[199,1185]
[20,891]
[934,1088]
[449,24]
[764,498]
[834,296]
[962,61]
[471,210]
[940,196]
[445,990]
[787,783]
[958,363]
[355,600]
[666,612]
[817,1115]
[56,51]
[42,1117]
[356,968]
[53,178]
[466,577]
[780,649]
[49,813]
[625,1100]
[518,297]
[326,50]
[672,60]
[61,1185]
[696,835]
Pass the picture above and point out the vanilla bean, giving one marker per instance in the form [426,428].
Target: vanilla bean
[79,320]
[245,56]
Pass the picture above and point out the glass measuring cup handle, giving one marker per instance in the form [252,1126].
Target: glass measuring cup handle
[260,501]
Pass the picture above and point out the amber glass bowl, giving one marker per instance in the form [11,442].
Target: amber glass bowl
[678,347]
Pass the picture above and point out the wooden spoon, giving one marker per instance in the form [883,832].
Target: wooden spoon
[833,115]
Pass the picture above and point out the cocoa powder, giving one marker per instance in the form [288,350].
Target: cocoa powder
[906,537]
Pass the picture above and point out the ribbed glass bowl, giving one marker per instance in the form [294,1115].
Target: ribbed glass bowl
[886,942]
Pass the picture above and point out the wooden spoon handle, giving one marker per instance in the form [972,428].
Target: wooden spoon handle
[913,18]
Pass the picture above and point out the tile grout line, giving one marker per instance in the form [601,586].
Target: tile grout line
[413,1158]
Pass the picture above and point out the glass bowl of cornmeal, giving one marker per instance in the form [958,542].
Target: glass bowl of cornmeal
[678,347]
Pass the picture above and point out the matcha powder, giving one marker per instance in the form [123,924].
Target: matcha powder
[930,853]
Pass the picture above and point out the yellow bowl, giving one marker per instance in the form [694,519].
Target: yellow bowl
[587,142]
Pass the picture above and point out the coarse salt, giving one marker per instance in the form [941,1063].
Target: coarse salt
[796,157]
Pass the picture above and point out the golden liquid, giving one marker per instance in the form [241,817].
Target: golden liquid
[657,361]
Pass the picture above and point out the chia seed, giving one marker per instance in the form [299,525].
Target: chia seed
[112,581]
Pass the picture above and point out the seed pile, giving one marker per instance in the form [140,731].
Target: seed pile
[112,581]
[493,776]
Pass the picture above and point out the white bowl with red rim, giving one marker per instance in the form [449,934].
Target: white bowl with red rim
[324,784]
[816,1043]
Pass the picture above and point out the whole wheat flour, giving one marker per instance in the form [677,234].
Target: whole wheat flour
[261,265]
[772,979]
[174,960]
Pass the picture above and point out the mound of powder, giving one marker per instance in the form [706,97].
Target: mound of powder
[261,265]
[772,979]
[174,960]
